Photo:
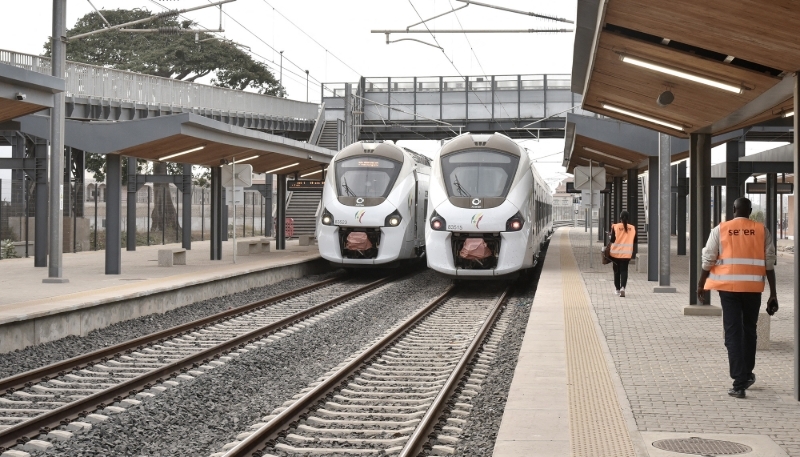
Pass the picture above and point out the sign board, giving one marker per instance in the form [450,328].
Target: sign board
[244,175]
[586,199]
[761,188]
[571,188]
[304,185]
[230,197]
[587,178]
[562,201]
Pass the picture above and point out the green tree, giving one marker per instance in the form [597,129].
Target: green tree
[183,56]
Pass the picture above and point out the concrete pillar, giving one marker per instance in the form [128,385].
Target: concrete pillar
[216,213]
[733,150]
[681,211]
[665,197]
[653,216]
[55,244]
[130,232]
[40,236]
[700,206]
[187,207]
[113,204]
[280,226]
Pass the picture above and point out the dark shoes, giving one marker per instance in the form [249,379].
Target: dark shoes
[740,393]
[737,393]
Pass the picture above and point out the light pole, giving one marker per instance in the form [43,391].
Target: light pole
[281,73]
[306,86]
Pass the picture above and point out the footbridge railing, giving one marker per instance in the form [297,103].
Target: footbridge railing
[95,82]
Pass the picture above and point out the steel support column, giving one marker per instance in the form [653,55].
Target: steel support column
[113,204]
[733,190]
[717,215]
[608,218]
[187,207]
[673,215]
[633,197]
[681,210]
[223,211]
[268,205]
[216,213]
[57,115]
[130,234]
[653,216]
[665,197]
[40,236]
[700,206]
[617,199]
[796,235]
[280,225]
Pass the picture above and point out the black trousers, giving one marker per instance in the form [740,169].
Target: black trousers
[740,317]
[621,272]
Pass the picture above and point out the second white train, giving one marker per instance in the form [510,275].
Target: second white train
[489,210]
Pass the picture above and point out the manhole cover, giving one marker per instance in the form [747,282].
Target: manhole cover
[702,446]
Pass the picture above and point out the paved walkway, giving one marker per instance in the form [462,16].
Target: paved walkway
[603,376]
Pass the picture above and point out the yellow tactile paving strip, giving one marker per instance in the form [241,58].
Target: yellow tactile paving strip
[597,428]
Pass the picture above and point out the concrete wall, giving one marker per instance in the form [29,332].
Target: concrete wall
[37,330]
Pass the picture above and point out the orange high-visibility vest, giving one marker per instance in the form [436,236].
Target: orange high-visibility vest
[622,247]
[741,264]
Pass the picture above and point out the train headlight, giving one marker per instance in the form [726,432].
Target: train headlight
[393,220]
[327,218]
[437,222]
[515,223]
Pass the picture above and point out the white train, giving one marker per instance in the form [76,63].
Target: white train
[490,211]
[374,203]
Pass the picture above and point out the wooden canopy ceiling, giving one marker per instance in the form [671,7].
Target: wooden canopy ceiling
[616,160]
[750,43]
[24,92]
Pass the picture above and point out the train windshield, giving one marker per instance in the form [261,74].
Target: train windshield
[366,176]
[479,173]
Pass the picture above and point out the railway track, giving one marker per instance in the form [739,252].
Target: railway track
[85,389]
[388,399]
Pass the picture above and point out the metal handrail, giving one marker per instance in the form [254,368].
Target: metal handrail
[91,81]
[318,126]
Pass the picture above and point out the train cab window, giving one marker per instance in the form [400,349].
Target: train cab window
[479,173]
[366,176]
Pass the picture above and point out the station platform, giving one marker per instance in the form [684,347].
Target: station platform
[32,312]
[599,375]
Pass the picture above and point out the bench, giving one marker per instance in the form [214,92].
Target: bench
[266,244]
[170,257]
[248,247]
[306,240]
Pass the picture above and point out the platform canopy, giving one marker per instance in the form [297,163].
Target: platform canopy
[621,146]
[187,138]
[727,64]
[24,92]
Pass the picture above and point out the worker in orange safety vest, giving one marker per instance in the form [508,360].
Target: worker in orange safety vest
[622,249]
[738,256]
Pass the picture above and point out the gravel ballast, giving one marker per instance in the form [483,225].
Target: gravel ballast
[201,416]
[32,357]
[483,423]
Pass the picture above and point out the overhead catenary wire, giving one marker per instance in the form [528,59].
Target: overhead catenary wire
[313,39]
[265,60]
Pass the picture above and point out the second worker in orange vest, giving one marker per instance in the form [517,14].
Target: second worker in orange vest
[738,256]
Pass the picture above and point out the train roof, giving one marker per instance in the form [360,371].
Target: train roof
[419,158]
[388,150]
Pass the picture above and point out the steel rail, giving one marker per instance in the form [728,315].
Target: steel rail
[251,445]
[19,434]
[420,436]
[101,355]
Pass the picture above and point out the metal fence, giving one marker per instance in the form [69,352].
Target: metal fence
[85,212]
[90,81]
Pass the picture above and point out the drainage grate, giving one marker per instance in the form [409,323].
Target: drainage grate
[702,446]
